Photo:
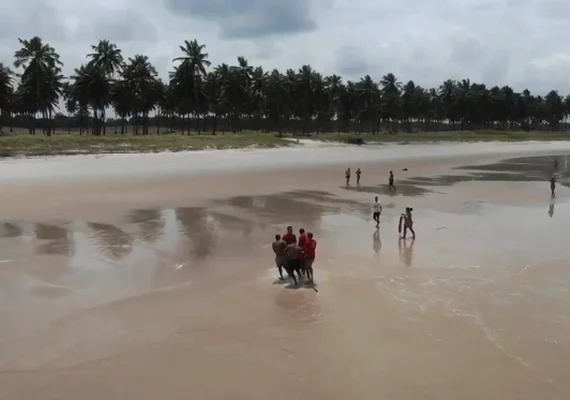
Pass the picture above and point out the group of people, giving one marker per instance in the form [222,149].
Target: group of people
[348,175]
[295,256]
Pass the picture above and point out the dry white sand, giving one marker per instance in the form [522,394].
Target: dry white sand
[164,286]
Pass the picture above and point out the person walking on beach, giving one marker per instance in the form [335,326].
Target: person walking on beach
[358,173]
[391,186]
[289,237]
[408,223]
[552,186]
[279,247]
[294,253]
[309,252]
[347,176]
[376,211]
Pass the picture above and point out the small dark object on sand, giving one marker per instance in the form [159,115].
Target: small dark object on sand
[404,169]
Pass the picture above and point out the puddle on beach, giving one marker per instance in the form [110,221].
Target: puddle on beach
[468,288]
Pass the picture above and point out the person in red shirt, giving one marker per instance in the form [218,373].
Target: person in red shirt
[309,252]
[289,237]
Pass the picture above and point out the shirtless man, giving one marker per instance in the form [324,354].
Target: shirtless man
[347,176]
[376,211]
[294,254]
[279,247]
[358,173]
[552,186]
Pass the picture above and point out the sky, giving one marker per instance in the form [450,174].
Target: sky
[520,43]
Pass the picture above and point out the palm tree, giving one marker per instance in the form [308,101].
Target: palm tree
[236,96]
[6,92]
[41,81]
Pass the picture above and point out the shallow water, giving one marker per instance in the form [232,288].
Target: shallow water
[184,302]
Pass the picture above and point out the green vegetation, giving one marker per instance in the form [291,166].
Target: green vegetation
[116,103]
[74,144]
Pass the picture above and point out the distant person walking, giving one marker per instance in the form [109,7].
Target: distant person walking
[391,186]
[279,247]
[358,173]
[347,176]
[376,211]
[407,223]
[309,252]
[552,186]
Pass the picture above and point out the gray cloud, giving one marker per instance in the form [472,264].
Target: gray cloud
[351,61]
[241,19]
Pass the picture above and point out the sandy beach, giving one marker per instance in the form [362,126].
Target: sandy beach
[152,276]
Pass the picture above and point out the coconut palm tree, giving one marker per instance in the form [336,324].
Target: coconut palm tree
[41,80]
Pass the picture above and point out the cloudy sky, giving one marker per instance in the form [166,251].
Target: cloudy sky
[522,43]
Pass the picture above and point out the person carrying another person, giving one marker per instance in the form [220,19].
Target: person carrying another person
[309,252]
[406,222]
[279,247]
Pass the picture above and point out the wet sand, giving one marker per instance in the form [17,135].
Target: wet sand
[165,286]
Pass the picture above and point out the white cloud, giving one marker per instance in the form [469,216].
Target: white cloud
[520,43]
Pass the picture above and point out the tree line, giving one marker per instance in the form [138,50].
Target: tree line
[198,98]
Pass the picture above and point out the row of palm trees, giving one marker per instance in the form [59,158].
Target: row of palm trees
[199,99]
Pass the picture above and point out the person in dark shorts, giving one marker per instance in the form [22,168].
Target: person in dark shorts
[376,211]
[289,237]
[294,254]
[301,244]
[347,176]
[279,247]
[391,186]
[358,173]
[552,186]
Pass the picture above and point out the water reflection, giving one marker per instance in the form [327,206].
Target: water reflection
[198,227]
[57,237]
[10,230]
[150,222]
[551,209]
[406,251]
[116,242]
[376,242]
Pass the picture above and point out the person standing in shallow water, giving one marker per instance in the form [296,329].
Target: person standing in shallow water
[552,186]
[294,254]
[358,173]
[289,237]
[279,247]
[391,186]
[347,176]
[309,252]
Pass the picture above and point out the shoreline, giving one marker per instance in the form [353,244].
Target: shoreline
[60,145]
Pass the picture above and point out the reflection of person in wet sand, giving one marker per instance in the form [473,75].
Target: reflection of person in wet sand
[358,173]
[294,254]
[279,247]
[376,242]
[406,251]
[347,176]
[406,222]
[552,186]
[551,209]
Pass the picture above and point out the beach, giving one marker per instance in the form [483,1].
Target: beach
[152,276]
